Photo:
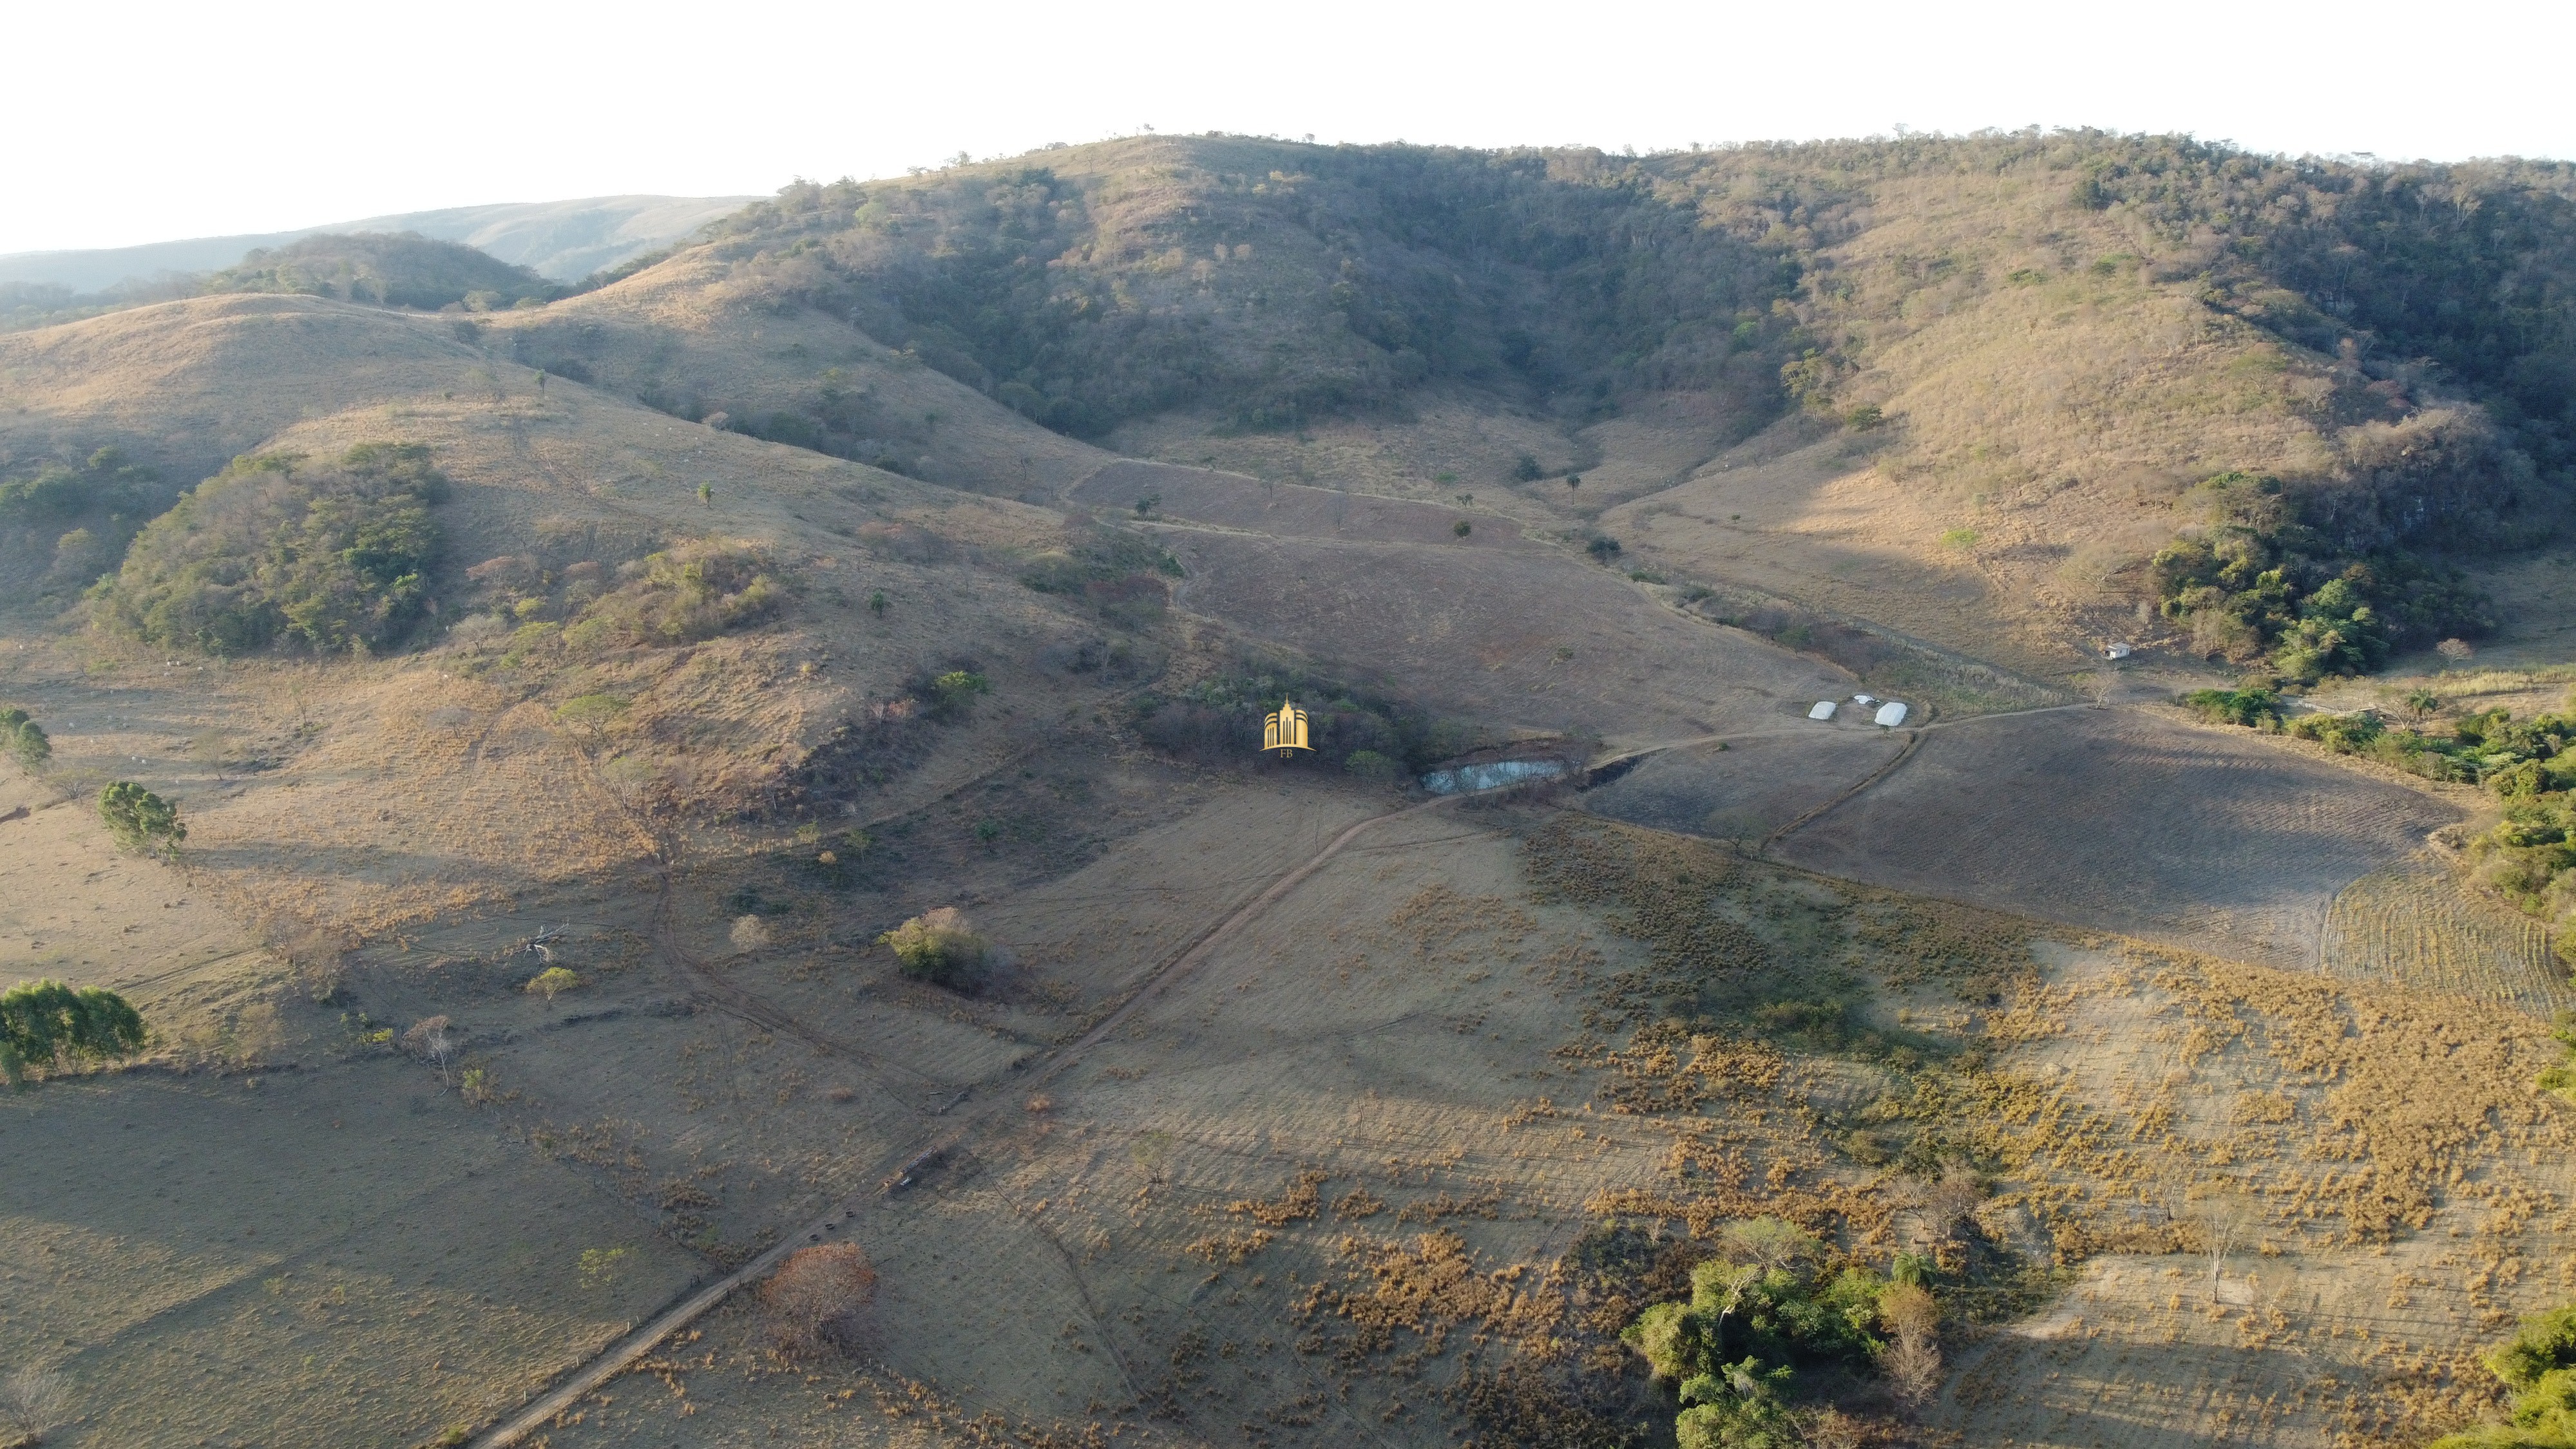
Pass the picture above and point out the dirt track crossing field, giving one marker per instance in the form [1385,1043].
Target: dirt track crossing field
[2126,821]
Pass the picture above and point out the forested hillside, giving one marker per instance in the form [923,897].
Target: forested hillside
[1271,281]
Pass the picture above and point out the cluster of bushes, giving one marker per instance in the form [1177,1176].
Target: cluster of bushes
[139,819]
[2260,584]
[1770,1306]
[275,550]
[1374,738]
[684,594]
[1120,574]
[46,1025]
[63,526]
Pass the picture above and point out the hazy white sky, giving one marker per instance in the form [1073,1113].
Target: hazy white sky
[129,123]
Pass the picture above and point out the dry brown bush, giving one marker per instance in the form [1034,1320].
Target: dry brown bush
[1913,1358]
[817,1299]
[33,1400]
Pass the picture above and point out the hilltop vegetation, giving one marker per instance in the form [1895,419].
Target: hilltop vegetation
[389,269]
[1270,283]
[385,269]
[325,557]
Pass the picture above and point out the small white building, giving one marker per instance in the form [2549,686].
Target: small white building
[2116,650]
[1824,710]
[1891,714]
[1864,700]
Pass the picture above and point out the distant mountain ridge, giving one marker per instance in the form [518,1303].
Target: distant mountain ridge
[564,240]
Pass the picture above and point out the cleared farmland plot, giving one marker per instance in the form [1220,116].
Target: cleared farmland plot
[2126,821]
[1757,784]
[2417,928]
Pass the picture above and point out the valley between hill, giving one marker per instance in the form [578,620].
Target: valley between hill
[818,577]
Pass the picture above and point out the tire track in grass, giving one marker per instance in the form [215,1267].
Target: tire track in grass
[895,1167]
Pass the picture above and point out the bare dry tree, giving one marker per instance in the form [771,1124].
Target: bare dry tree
[1769,1243]
[1912,1361]
[816,1299]
[1948,1201]
[33,1400]
[1831,1428]
[2225,1216]
[433,1038]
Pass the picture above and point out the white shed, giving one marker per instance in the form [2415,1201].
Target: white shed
[1824,710]
[1864,700]
[1891,713]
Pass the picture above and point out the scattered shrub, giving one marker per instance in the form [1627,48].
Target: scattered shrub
[1602,549]
[326,557]
[951,696]
[139,819]
[552,982]
[938,946]
[817,1299]
[2255,706]
[24,739]
[33,1401]
[685,594]
[1525,469]
[591,713]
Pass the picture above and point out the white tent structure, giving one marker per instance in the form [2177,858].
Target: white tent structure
[1891,714]
[1824,710]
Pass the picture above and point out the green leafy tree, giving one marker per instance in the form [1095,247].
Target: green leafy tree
[877,603]
[43,1023]
[139,819]
[2539,1365]
[952,695]
[1738,1407]
[1767,1298]
[592,714]
[23,739]
[938,946]
[552,982]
